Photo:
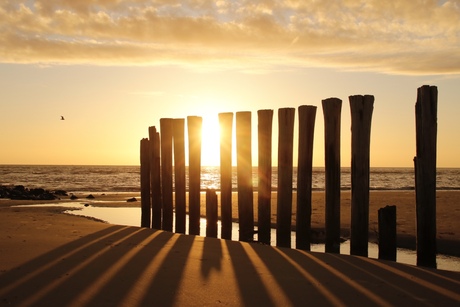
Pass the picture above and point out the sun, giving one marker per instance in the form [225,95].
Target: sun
[210,141]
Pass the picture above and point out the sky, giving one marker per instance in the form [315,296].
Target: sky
[113,68]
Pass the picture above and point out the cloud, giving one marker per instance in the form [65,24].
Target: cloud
[408,37]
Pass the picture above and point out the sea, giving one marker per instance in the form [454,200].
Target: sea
[119,179]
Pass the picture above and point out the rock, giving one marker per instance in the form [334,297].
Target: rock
[90,196]
[131,199]
[73,197]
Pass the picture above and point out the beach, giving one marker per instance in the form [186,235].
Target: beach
[50,258]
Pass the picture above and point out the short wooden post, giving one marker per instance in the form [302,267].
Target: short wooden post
[426,110]
[332,108]
[145,183]
[387,233]
[285,159]
[226,127]
[179,173]
[307,116]
[155,177]
[194,124]
[166,129]
[361,108]
[265,120]
[244,176]
[211,213]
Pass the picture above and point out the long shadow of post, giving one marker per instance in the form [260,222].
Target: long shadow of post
[248,287]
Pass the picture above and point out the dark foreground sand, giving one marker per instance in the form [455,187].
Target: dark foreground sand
[51,259]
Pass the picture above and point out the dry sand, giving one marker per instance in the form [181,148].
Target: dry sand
[51,259]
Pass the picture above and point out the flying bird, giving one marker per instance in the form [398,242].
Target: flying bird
[62,117]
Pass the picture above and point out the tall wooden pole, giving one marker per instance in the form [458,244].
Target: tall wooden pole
[179,173]
[155,177]
[265,120]
[145,183]
[307,116]
[226,127]
[361,108]
[285,159]
[194,124]
[244,176]
[426,109]
[332,108]
[166,129]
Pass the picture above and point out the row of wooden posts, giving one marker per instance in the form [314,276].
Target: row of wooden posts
[157,177]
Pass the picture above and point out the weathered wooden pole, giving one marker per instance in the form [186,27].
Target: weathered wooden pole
[307,115]
[244,176]
[194,124]
[387,233]
[332,108]
[211,213]
[179,173]
[155,177]
[286,118]
[361,108]
[426,110]
[166,129]
[226,127]
[264,129]
[145,183]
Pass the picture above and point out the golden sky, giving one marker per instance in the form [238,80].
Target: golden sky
[113,68]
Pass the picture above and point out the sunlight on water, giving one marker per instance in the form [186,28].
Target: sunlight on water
[132,217]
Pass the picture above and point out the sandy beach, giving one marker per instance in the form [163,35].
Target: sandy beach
[52,259]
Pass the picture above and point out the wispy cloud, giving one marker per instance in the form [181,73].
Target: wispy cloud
[409,37]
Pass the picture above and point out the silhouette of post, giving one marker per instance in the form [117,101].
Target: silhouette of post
[179,173]
[285,158]
[332,108]
[307,116]
[361,108]
[155,177]
[211,213]
[226,125]
[145,183]
[244,176]
[387,233]
[194,124]
[265,121]
[166,128]
[426,109]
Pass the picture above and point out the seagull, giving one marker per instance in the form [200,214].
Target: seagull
[62,117]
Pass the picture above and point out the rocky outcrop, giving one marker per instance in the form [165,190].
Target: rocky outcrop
[22,193]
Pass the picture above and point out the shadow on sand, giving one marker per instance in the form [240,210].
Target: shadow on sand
[130,266]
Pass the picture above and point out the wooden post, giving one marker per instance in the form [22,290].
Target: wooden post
[211,213]
[265,120]
[361,108]
[244,176]
[194,124]
[387,233]
[226,127]
[155,177]
[145,183]
[332,108]
[307,116]
[166,129]
[285,158]
[179,173]
[425,174]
